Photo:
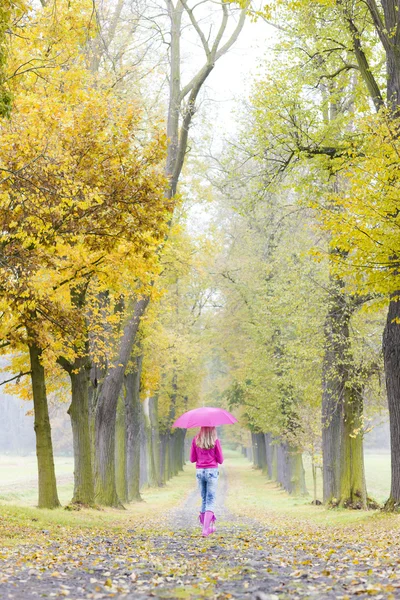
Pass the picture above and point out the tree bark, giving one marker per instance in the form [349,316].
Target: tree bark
[48,497]
[151,450]
[144,459]
[342,407]
[391,336]
[164,457]
[391,354]
[155,438]
[290,469]
[120,451]
[105,487]
[78,411]
[132,412]
[388,30]
[268,454]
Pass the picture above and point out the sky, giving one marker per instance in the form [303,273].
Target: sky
[226,88]
[233,75]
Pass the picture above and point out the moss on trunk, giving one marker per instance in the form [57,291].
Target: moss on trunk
[80,422]
[132,413]
[48,497]
[120,451]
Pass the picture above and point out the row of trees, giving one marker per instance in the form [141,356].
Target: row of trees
[88,240]
[109,299]
[317,164]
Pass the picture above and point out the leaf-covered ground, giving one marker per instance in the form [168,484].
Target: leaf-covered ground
[263,549]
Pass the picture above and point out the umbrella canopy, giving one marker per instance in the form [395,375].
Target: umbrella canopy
[207,416]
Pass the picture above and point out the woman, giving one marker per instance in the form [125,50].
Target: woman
[206,452]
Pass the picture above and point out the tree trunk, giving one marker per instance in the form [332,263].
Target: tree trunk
[144,458]
[262,453]
[388,32]
[132,416]
[254,446]
[274,460]
[48,497]
[106,409]
[120,451]
[391,336]
[342,407]
[155,438]
[164,458]
[391,353]
[296,474]
[281,466]
[180,449]
[79,413]
[353,491]
[268,454]
[171,471]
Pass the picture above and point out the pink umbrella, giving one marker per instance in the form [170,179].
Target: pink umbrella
[207,416]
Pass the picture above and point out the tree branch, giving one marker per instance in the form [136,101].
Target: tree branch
[17,377]
[197,28]
[215,54]
[221,30]
[64,363]
[236,32]
[379,25]
[364,67]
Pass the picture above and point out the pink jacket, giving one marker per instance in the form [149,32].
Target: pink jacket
[206,459]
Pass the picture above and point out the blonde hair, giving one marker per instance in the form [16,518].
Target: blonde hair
[206,438]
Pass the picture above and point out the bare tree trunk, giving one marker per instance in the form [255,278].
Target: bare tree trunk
[268,454]
[155,438]
[106,407]
[151,458]
[391,336]
[296,475]
[387,26]
[120,451]
[78,411]
[163,457]
[144,459]
[132,415]
[342,406]
[391,353]
[48,497]
[254,447]
[281,466]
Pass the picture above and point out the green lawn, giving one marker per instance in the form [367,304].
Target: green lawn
[18,478]
[377,473]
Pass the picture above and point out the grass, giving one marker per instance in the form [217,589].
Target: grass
[23,522]
[251,494]
[377,474]
[18,479]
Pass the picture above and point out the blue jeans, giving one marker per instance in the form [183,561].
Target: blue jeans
[207,480]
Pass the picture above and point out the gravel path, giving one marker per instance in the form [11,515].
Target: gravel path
[168,558]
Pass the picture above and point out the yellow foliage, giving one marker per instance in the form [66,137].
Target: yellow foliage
[82,200]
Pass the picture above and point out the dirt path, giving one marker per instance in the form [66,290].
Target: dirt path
[166,557]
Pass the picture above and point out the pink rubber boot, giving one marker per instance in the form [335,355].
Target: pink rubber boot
[208,515]
[201,518]
[212,524]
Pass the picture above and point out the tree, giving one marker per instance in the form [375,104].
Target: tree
[181,108]
[309,131]
[74,207]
